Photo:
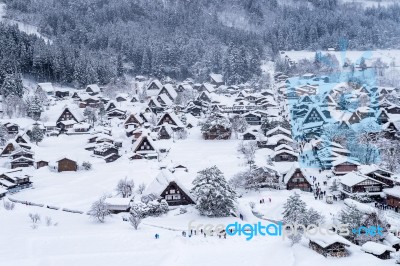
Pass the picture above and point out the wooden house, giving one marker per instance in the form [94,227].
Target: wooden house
[12,128]
[110,106]
[118,205]
[169,90]
[21,158]
[153,88]
[41,163]
[144,145]
[296,178]
[344,166]
[105,150]
[378,174]
[355,182]
[15,180]
[253,118]
[285,156]
[93,89]
[46,87]
[378,250]
[329,245]
[116,113]
[66,164]
[60,93]
[216,79]
[168,188]
[393,198]
[133,119]
[170,118]
[69,114]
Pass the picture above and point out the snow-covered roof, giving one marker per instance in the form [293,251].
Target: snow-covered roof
[283,147]
[164,97]
[93,87]
[46,86]
[394,191]
[353,178]
[125,202]
[161,182]
[325,240]
[171,90]
[217,77]
[345,160]
[376,248]
[137,143]
[364,208]
[271,131]
[273,140]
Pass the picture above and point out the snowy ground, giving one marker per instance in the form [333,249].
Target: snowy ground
[77,240]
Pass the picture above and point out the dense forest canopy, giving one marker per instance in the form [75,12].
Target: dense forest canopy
[97,40]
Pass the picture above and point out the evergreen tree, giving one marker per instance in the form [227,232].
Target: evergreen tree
[34,108]
[146,62]
[12,85]
[214,196]
[294,210]
[120,66]
[36,135]
[351,216]
[334,187]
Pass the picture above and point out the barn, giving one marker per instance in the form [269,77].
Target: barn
[66,164]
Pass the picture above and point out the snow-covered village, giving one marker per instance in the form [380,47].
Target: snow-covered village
[240,143]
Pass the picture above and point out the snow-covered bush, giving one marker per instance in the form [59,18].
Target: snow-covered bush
[49,221]
[35,218]
[141,188]
[152,208]
[134,220]
[99,210]
[147,198]
[86,166]
[125,187]
[9,206]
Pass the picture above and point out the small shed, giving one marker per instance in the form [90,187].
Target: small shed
[378,250]
[116,205]
[66,164]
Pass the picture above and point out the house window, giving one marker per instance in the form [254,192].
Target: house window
[172,191]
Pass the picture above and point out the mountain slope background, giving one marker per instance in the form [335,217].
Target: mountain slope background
[99,40]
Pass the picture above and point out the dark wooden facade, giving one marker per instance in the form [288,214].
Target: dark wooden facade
[344,168]
[67,165]
[298,181]
[40,164]
[174,195]
[217,132]
[285,157]
[334,250]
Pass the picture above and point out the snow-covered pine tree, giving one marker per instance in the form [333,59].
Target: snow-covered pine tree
[351,216]
[36,135]
[214,197]
[34,107]
[4,136]
[12,85]
[294,209]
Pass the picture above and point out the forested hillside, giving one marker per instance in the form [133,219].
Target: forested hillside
[96,40]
